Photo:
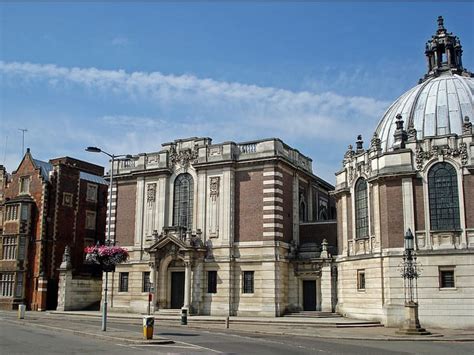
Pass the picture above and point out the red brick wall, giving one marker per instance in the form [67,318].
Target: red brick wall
[391,213]
[125,213]
[249,205]
[316,232]
[287,206]
[419,204]
[469,200]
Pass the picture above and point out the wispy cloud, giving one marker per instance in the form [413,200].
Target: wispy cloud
[224,110]
[120,41]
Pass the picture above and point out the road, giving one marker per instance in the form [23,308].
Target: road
[27,339]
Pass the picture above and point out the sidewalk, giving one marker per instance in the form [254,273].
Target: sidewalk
[330,328]
[64,324]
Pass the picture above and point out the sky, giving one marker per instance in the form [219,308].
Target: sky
[128,77]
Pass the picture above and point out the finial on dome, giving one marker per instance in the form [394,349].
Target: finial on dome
[359,144]
[467,126]
[400,134]
[441,24]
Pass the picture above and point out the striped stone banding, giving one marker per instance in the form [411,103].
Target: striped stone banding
[272,203]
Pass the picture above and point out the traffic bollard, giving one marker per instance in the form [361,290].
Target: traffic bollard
[148,325]
[184,316]
[21,311]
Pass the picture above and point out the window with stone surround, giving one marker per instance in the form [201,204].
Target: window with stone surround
[361,209]
[9,248]
[24,184]
[146,285]
[183,201]
[123,282]
[443,197]
[90,220]
[7,280]
[248,281]
[446,277]
[11,213]
[91,195]
[361,280]
[212,282]
[67,199]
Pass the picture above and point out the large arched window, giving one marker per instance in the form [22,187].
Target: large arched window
[443,197]
[183,201]
[361,209]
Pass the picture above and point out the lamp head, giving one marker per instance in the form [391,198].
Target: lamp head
[93,150]
[409,240]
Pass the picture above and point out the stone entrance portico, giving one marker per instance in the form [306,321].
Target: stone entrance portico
[176,250]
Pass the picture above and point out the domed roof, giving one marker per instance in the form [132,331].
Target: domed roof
[440,103]
[435,107]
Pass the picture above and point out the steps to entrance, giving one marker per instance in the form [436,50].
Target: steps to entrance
[313,314]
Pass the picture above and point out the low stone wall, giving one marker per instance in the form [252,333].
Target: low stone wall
[78,292]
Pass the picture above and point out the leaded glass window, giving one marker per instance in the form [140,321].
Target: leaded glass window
[443,197]
[183,201]
[361,209]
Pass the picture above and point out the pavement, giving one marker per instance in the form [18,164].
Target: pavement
[325,328]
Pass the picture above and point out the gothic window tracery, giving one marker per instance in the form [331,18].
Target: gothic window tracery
[183,201]
[361,209]
[443,197]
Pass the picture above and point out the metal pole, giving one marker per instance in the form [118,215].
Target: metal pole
[104,308]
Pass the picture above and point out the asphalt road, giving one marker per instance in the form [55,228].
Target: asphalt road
[26,339]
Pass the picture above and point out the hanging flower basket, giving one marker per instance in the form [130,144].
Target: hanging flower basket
[106,256]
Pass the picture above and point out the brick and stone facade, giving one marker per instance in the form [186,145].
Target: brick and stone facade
[237,251]
[47,206]
[427,130]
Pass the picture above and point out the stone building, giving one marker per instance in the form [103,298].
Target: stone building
[46,206]
[223,229]
[418,174]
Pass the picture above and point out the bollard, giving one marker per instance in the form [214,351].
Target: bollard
[21,311]
[227,322]
[184,316]
[148,325]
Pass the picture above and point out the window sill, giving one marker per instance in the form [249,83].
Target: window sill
[448,288]
[362,290]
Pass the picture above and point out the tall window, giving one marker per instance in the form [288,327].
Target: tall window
[248,282]
[6,284]
[443,197]
[123,282]
[361,210]
[24,184]
[9,248]
[212,282]
[183,201]
[146,285]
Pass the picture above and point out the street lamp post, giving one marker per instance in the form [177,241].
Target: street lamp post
[109,218]
[410,273]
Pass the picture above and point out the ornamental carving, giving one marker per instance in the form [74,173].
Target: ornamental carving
[151,193]
[183,157]
[153,159]
[214,187]
[444,151]
[215,151]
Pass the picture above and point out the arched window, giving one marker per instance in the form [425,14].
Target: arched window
[443,197]
[183,201]
[361,209]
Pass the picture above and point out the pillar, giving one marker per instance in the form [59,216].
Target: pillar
[187,284]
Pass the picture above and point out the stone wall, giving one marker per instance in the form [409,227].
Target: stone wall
[78,293]
[383,297]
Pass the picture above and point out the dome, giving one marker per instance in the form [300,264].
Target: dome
[441,102]
[435,107]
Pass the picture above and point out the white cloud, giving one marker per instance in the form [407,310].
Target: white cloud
[223,110]
[120,41]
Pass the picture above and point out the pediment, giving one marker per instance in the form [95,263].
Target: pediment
[168,243]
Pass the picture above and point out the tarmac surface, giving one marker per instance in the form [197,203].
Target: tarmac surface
[330,327]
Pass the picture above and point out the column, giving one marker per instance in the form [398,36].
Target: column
[187,284]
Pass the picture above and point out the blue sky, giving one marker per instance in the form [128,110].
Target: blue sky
[128,77]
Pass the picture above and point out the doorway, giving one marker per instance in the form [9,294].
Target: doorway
[177,289]
[309,295]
